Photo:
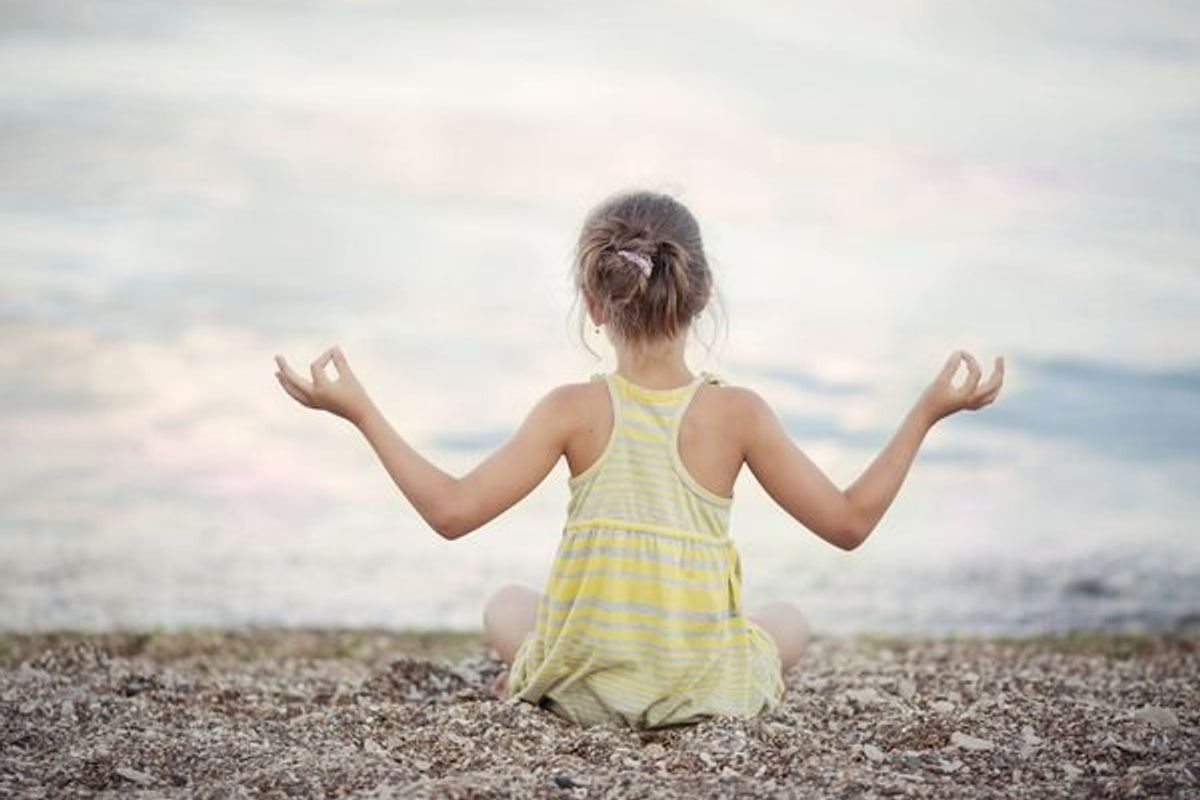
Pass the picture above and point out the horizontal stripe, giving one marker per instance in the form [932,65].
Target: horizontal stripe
[613,554]
[655,417]
[612,525]
[633,689]
[577,643]
[633,575]
[660,537]
[643,452]
[627,471]
[628,391]
[580,625]
[588,618]
[632,512]
[658,595]
[642,435]
[633,607]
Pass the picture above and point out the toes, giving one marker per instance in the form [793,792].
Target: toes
[499,687]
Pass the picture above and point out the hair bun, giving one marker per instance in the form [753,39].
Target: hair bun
[639,257]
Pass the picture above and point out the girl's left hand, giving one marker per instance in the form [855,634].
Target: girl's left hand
[344,397]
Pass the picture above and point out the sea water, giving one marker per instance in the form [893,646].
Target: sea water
[186,191]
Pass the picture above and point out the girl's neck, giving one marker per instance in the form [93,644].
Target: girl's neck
[656,365]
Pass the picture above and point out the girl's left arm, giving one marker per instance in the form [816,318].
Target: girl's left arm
[452,506]
[455,507]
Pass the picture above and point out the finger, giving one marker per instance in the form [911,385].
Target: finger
[951,366]
[973,375]
[993,382]
[293,391]
[980,400]
[339,361]
[318,368]
[293,377]
[986,396]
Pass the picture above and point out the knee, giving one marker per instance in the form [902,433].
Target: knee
[507,596]
[797,624]
[792,629]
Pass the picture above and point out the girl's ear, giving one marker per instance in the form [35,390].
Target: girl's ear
[593,309]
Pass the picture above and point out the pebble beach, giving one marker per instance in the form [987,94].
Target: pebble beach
[378,714]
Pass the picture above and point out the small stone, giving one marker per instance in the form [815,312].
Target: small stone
[135,686]
[942,706]
[906,689]
[654,751]
[136,776]
[949,767]
[1072,772]
[970,742]
[864,697]
[872,752]
[1128,747]
[374,747]
[1028,736]
[1157,716]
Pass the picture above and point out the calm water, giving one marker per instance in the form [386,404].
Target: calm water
[186,191]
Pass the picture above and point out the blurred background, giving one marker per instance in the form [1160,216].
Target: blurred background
[186,190]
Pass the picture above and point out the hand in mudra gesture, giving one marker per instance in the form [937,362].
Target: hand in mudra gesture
[344,396]
[943,398]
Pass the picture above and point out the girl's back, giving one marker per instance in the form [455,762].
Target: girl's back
[641,621]
[709,435]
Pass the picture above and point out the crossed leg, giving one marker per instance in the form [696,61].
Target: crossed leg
[511,613]
[787,625]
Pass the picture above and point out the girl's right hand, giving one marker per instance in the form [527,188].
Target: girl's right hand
[943,398]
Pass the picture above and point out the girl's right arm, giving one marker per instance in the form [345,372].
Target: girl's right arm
[846,518]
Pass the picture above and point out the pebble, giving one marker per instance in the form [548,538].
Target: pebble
[864,697]
[137,776]
[872,752]
[1157,716]
[942,706]
[654,751]
[1029,736]
[907,689]
[970,742]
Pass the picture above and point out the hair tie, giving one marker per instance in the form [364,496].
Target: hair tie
[638,260]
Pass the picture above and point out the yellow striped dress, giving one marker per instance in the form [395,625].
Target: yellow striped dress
[641,621]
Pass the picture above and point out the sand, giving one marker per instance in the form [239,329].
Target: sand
[285,713]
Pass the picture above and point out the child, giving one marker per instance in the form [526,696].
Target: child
[641,622]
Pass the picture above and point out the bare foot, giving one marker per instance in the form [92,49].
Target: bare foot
[499,687]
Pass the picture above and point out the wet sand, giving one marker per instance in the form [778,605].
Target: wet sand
[305,713]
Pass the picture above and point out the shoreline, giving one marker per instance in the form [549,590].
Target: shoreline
[334,642]
[388,713]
